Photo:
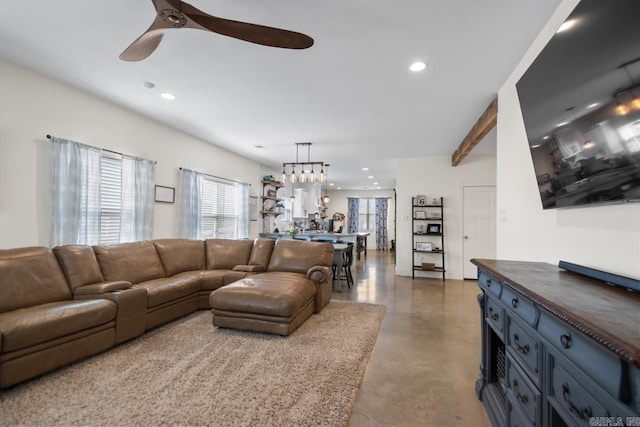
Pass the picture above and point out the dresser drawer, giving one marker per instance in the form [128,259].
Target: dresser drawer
[524,348]
[495,316]
[520,305]
[490,284]
[571,399]
[523,394]
[517,418]
[596,361]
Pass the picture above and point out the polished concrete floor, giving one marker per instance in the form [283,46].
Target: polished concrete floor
[423,367]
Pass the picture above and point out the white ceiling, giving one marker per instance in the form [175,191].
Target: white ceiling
[351,94]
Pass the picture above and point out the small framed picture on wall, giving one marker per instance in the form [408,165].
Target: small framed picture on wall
[165,194]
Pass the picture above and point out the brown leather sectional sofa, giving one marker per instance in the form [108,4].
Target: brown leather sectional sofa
[58,306]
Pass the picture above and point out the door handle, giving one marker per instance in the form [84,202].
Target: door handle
[466,237]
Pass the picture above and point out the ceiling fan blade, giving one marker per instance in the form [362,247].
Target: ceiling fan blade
[144,45]
[259,34]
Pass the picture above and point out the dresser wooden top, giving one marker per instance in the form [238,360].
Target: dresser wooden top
[607,314]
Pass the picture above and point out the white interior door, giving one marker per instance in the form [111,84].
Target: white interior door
[479,226]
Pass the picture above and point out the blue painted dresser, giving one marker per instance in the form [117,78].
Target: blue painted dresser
[558,349]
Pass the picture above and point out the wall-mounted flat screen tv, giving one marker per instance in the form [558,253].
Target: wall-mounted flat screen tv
[580,101]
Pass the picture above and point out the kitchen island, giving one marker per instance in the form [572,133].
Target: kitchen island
[358,239]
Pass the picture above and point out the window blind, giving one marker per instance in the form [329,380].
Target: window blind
[366,214]
[221,209]
[110,197]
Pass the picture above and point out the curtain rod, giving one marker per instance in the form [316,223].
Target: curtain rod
[111,151]
[215,176]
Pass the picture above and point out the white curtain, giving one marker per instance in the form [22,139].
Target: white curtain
[243,226]
[74,192]
[190,205]
[138,178]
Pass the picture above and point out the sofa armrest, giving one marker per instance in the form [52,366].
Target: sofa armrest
[102,288]
[323,279]
[131,302]
[250,268]
[319,274]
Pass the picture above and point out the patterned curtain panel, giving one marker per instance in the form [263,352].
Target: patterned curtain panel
[353,204]
[382,208]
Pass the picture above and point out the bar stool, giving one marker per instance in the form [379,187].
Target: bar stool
[347,263]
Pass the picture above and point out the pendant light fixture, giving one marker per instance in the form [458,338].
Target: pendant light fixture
[303,176]
[325,198]
[631,93]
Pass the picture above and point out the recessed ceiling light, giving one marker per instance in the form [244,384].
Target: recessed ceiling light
[167,95]
[418,66]
[331,183]
[562,123]
[566,25]
[546,137]
[594,105]
[536,146]
[365,169]
[370,177]
[339,188]
[375,183]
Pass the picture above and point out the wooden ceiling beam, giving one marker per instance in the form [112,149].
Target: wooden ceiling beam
[485,123]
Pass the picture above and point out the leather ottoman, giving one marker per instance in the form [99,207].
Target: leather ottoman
[274,302]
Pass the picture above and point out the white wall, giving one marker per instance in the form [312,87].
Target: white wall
[435,177]
[32,106]
[602,237]
[338,203]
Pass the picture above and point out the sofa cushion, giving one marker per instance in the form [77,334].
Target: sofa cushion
[278,294]
[299,256]
[134,262]
[227,253]
[160,291]
[30,326]
[261,252]
[79,265]
[209,279]
[178,255]
[30,276]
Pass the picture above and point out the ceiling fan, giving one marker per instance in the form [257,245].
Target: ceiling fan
[178,14]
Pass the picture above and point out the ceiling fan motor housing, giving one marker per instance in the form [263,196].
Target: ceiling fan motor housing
[173,18]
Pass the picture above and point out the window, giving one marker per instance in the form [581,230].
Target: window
[221,210]
[110,207]
[367,215]
[99,196]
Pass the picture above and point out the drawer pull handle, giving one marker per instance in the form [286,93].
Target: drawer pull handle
[515,302]
[493,316]
[565,340]
[523,350]
[522,398]
[488,283]
[580,413]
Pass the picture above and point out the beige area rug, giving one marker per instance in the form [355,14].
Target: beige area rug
[190,373]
